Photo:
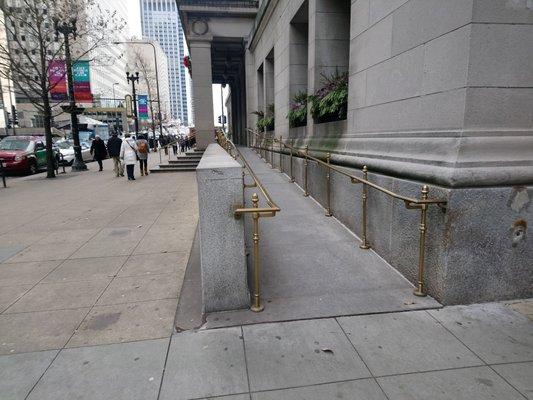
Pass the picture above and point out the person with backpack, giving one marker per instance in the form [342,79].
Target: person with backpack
[128,155]
[142,152]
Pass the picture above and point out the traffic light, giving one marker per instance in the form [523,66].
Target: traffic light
[14,112]
[9,123]
[222,118]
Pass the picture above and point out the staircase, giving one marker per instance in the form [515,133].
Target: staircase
[183,163]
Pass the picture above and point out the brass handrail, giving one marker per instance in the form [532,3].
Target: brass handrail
[256,212]
[422,204]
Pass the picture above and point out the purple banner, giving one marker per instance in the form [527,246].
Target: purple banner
[57,79]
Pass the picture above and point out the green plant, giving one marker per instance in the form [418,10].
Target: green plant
[265,120]
[330,102]
[298,110]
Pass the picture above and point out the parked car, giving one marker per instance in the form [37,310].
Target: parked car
[23,154]
[66,148]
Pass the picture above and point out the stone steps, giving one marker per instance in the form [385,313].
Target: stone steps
[184,163]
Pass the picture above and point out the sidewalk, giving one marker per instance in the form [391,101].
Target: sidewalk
[73,328]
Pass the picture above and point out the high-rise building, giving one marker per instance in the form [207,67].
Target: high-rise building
[160,22]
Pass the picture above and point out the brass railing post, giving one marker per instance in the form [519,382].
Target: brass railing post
[364,244]
[256,297]
[420,290]
[292,147]
[272,151]
[280,152]
[328,187]
[306,163]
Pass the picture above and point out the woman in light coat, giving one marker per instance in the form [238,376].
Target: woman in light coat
[128,155]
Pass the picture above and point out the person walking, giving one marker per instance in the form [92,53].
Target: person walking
[128,155]
[98,151]
[113,148]
[142,152]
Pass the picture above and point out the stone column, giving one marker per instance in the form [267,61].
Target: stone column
[202,82]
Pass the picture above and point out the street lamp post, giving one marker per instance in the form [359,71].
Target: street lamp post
[115,106]
[66,28]
[159,116]
[134,78]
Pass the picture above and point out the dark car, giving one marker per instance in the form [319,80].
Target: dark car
[23,154]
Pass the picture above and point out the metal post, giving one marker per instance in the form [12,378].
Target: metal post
[3,172]
[306,163]
[292,147]
[328,186]
[420,290]
[256,297]
[280,152]
[364,244]
[272,151]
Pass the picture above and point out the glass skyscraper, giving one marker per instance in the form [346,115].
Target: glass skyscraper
[160,22]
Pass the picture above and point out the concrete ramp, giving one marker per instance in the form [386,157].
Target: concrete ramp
[312,266]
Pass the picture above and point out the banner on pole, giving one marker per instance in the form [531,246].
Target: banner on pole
[57,79]
[142,100]
[82,82]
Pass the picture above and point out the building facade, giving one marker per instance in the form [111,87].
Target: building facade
[439,96]
[160,23]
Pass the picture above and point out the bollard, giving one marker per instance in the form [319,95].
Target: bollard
[306,163]
[364,244]
[420,290]
[256,297]
[328,186]
[272,151]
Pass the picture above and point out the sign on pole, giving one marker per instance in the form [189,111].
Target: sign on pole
[143,106]
[57,79]
[82,82]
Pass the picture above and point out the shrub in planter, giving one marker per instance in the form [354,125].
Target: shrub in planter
[330,103]
[266,120]
[298,110]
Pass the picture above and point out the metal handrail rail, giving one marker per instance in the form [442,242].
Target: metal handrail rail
[256,212]
[421,204]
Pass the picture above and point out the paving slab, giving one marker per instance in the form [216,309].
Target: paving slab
[106,248]
[41,252]
[492,331]
[128,371]
[405,342]
[10,294]
[37,331]
[25,273]
[59,296]
[478,383]
[140,288]
[68,236]
[6,252]
[156,243]
[205,364]
[289,354]
[519,375]
[20,372]
[126,322]
[153,264]
[86,269]
[363,389]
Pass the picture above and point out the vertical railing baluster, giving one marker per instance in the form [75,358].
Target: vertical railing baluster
[306,163]
[256,297]
[292,147]
[272,151]
[364,244]
[420,289]
[328,186]
[280,152]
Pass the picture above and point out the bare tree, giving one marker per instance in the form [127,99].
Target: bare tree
[33,43]
[149,79]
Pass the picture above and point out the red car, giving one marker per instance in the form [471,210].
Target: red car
[23,154]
